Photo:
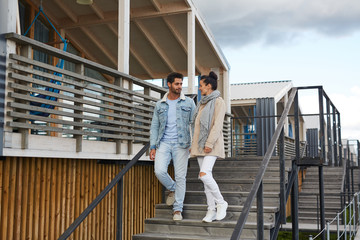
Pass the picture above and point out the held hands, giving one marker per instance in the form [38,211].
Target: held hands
[152,154]
[207,150]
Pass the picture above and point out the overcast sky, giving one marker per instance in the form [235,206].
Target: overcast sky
[313,42]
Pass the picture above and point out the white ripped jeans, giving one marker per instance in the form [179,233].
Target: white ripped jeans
[212,191]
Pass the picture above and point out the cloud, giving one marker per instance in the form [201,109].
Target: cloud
[236,23]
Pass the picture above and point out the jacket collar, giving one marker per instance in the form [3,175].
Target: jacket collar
[182,97]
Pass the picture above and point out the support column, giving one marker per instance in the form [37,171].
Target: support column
[124,36]
[191,51]
[8,15]
[226,90]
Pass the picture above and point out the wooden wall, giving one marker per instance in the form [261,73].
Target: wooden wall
[40,198]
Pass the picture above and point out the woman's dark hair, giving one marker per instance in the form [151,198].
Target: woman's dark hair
[210,79]
[171,77]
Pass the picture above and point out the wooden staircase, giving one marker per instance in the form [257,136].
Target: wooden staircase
[235,177]
[309,200]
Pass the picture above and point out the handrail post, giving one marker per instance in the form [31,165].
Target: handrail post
[295,190]
[282,178]
[328,230]
[348,169]
[329,139]
[337,225]
[119,210]
[260,212]
[323,156]
[335,137]
[339,140]
[322,200]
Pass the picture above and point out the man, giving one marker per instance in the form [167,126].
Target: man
[170,139]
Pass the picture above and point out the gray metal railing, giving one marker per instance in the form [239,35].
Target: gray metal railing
[116,181]
[350,215]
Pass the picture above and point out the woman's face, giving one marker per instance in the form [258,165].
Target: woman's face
[204,89]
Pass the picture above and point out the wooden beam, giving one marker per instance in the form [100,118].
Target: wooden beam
[89,20]
[113,29]
[165,10]
[97,11]
[68,11]
[142,63]
[180,39]
[157,47]
[156,5]
[100,45]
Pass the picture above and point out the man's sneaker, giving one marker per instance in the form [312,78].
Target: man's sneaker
[221,211]
[177,216]
[170,199]
[210,216]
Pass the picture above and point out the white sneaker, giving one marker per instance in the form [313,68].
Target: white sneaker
[210,216]
[170,199]
[221,211]
[177,216]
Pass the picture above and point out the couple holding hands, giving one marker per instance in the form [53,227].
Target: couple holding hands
[179,126]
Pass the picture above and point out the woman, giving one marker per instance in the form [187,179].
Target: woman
[208,143]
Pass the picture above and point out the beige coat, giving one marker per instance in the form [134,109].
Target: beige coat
[215,140]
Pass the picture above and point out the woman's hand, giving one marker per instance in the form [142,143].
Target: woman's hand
[207,150]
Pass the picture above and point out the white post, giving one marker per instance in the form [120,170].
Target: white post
[191,51]
[226,90]
[124,36]
[8,16]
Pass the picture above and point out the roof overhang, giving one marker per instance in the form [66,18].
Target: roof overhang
[158,35]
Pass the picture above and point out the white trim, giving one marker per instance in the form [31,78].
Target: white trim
[57,147]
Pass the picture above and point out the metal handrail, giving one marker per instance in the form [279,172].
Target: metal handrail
[103,193]
[260,175]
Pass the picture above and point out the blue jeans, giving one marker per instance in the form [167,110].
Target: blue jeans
[180,157]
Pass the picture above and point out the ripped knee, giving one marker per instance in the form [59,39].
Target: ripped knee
[201,174]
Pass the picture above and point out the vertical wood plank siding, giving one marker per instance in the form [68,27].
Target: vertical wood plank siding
[41,197]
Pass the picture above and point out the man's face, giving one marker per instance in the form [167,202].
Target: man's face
[176,86]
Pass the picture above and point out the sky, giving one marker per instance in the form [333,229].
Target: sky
[311,43]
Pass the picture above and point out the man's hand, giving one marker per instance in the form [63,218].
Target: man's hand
[207,150]
[152,154]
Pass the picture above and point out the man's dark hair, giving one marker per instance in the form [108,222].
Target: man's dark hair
[210,79]
[171,77]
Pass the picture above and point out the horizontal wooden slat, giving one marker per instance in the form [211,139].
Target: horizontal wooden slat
[73,115]
[82,109]
[80,100]
[78,124]
[75,132]
[84,81]
[70,90]
[76,59]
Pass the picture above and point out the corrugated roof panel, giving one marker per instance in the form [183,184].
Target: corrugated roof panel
[274,89]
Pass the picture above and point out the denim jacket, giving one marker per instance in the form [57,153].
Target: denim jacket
[185,108]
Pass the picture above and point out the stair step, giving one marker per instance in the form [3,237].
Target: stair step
[197,227]
[198,211]
[232,197]
[172,236]
[234,184]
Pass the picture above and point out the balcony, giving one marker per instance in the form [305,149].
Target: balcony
[68,113]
